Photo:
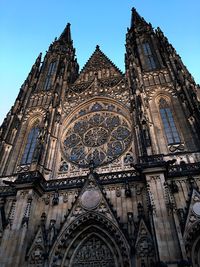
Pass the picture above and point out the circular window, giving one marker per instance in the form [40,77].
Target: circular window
[90,199]
[196,208]
[100,136]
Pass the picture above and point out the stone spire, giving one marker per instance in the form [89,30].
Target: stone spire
[36,65]
[137,20]
[66,34]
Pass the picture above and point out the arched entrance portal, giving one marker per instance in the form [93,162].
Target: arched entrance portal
[93,251]
[196,253]
[192,243]
[93,247]
[90,241]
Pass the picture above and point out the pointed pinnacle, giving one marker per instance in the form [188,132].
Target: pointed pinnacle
[66,34]
[38,60]
[136,19]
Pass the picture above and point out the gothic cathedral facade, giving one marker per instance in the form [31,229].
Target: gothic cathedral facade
[99,167]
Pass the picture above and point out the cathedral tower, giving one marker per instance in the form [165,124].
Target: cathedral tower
[100,167]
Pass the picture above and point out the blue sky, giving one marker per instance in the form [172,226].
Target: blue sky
[28,27]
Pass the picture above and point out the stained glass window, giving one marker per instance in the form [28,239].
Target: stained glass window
[30,146]
[49,76]
[171,131]
[149,57]
[99,136]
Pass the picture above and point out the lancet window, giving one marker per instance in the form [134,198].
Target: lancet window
[149,57]
[49,76]
[30,146]
[170,129]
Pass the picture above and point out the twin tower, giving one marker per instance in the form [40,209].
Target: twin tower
[99,167]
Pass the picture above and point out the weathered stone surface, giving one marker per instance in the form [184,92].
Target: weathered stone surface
[101,168]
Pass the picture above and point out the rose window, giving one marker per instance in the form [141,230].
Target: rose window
[99,136]
[96,136]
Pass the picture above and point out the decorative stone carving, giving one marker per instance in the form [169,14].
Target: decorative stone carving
[65,198]
[128,159]
[127,190]
[37,252]
[34,113]
[37,256]
[196,208]
[105,229]
[176,147]
[55,199]
[101,136]
[192,223]
[25,218]
[64,166]
[102,220]
[90,199]
[94,252]
[11,214]
[144,243]
[23,168]
[51,232]
[46,199]
[118,192]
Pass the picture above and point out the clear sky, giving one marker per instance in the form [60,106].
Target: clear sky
[28,27]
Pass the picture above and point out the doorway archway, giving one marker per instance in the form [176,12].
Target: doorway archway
[91,240]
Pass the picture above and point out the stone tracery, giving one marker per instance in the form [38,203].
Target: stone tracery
[99,135]
[94,252]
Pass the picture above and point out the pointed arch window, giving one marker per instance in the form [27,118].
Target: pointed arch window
[30,146]
[149,57]
[51,71]
[170,129]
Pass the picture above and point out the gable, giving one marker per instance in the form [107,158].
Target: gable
[100,66]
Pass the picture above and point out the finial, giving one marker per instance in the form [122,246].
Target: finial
[133,9]
[37,62]
[40,55]
[97,47]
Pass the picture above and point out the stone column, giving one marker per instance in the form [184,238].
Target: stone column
[165,231]
[19,229]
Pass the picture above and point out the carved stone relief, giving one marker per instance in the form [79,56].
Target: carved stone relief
[93,252]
